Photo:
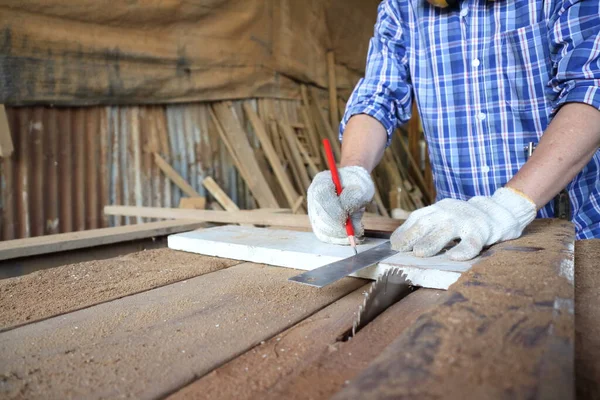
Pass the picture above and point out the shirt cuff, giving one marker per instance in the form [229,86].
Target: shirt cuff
[588,93]
[387,119]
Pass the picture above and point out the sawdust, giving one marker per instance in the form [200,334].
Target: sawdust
[152,343]
[490,339]
[587,318]
[58,290]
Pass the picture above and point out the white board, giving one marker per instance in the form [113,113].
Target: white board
[302,250]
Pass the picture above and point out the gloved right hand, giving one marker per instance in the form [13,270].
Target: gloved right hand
[328,212]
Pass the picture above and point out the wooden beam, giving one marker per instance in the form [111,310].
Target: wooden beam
[312,168]
[220,196]
[274,160]
[241,147]
[289,135]
[192,203]
[6,143]
[506,327]
[243,216]
[325,127]
[334,115]
[417,172]
[297,205]
[95,237]
[313,137]
[170,172]
[379,202]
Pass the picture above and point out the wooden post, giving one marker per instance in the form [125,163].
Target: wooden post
[334,115]
[6,144]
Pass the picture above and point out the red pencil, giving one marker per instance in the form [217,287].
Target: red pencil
[338,189]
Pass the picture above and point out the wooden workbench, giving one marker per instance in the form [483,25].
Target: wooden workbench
[159,323]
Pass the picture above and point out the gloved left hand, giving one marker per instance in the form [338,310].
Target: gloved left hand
[478,222]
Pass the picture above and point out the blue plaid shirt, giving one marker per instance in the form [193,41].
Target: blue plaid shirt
[487,79]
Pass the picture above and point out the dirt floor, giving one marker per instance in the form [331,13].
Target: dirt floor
[587,318]
[46,293]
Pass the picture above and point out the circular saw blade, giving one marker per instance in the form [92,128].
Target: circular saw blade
[389,288]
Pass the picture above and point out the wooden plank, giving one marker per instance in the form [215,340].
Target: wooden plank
[262,135]
[302,250]
[297,205]
[587,319]
[334,114]
[125,347]
[225,140]
[193,203]
[243,216]
[47,293]
[313,137]
[288,134]
[241,147]
[312,168]
[292,166]
[379,202]
[316,363]
[219,195]
[95,237]
[417,172]
[6,143]
[326,130]
[170,172]
[505,330]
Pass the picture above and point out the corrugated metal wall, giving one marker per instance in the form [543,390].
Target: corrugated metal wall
[70,162]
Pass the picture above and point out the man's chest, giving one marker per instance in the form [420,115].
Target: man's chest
[484,59]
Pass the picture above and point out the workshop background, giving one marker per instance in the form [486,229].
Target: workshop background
[93,89]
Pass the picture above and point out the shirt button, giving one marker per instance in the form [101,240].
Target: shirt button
[485,169]
[475,63]
[463,13]
[481,116]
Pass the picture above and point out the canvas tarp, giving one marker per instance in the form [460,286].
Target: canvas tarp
[155,51]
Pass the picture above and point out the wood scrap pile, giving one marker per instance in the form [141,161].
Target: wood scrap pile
[276,149]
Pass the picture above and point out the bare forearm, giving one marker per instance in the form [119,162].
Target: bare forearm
[363,142]
[566,147]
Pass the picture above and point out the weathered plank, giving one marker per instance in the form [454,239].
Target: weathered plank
[66,288]
[261,133]
[174,176]
[6,143]
[219,195]
[152,343]
[308,361]
[302,250]
[95,237]
[244,216]
[506,330]
[587,318]
[244,152]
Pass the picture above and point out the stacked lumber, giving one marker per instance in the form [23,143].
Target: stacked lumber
[276,149]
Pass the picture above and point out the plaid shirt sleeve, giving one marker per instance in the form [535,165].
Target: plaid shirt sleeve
[575,52]
[385,91]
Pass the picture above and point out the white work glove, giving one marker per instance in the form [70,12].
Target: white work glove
[481,221]
[328,212]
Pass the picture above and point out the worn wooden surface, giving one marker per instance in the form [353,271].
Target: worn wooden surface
[379,224]
[94,237]
[152,343]
[315,363]
[505,331]
[76,285]
[587,318]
